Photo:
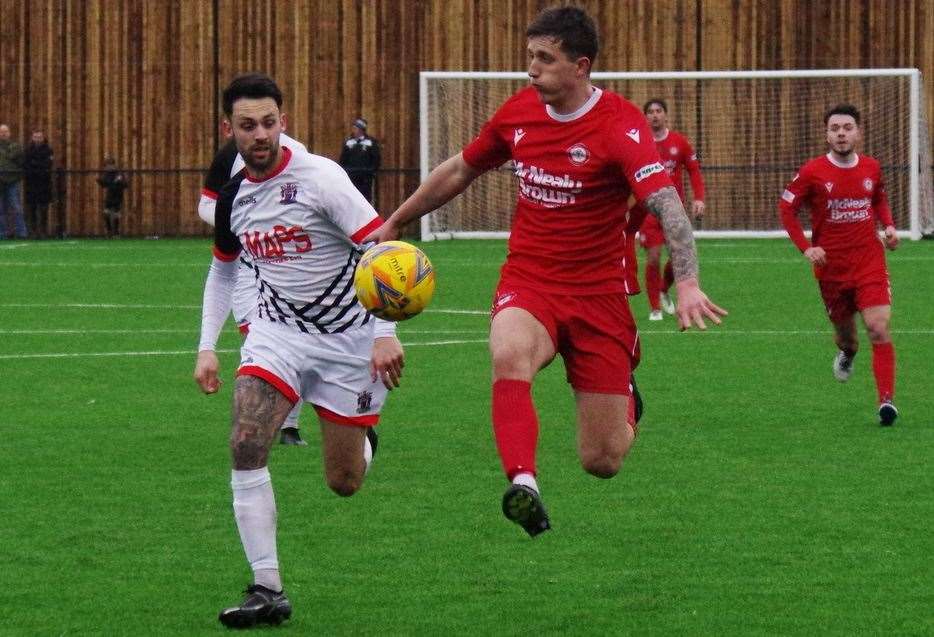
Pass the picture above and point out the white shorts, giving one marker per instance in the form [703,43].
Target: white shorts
[245,296]
[330,371]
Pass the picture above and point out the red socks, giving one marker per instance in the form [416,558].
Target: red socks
[515,426]
[883,368]
[653,284]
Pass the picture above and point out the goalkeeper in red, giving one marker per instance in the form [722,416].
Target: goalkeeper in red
[846,197]
[578,153]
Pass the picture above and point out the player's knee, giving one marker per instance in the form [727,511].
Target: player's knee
[508,362]
[878,330]
[344,482]
[248,452]
[602,464]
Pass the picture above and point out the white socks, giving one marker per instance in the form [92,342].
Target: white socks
[255,510]
[367,454]
[526,479]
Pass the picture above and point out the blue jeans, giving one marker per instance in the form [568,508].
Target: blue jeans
[10,205]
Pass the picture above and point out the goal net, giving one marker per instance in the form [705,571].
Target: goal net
[751,130]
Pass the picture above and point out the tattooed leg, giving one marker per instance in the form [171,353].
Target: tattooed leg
[679,235]
[259,410]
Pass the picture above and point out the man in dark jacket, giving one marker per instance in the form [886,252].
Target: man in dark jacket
[115,183]
[360,158]
[37,167]
[11,173]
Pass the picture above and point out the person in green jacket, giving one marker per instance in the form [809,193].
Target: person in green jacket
[11,173]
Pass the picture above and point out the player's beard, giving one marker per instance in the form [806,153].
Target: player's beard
[261,165]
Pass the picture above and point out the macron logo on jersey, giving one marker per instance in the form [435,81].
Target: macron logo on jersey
[633,134]
[517,137]
[828,186]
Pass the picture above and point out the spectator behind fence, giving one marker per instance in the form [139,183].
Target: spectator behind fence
[11,172]
[37,167]
[114,183]
[360,158]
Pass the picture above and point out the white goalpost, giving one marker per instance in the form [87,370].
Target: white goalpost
[751,129]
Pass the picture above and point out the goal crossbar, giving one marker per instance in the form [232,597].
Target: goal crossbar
[911,167]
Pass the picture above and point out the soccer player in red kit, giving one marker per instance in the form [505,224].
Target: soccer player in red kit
[676,154]
[846,196]
[578,152]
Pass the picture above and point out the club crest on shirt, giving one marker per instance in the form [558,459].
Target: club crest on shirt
[288,191]
[673,150]
[828,185]
[867,184]
[364,400]
[578,154]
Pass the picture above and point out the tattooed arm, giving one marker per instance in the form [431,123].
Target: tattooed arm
[666,205]
[693,304]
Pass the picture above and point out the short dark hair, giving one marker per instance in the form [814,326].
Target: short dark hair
[252,85]
[842,109]
[654,100]
[572,27]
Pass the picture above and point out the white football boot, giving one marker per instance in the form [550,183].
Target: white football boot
[667,304]
[842,367]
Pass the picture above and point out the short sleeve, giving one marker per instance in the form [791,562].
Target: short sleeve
[488,150]
[636,153]
[340,200]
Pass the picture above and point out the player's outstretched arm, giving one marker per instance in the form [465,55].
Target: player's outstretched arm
[693,304]
[445,182]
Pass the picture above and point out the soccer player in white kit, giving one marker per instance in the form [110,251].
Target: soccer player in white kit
[299,217]
[228,162]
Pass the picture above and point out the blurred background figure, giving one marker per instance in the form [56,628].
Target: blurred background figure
[360,158]
[11,172]
[37,169]
[114,182]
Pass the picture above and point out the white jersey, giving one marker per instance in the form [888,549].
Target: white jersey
[227,163]
[220,174]
[298,227]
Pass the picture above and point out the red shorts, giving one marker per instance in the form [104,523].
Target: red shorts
[843,299]
[651,233]
[595,334]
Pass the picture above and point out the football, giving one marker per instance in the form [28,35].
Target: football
[394,280]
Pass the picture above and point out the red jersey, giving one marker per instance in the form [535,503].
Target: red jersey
[676,154]
[575,173]
[845,203]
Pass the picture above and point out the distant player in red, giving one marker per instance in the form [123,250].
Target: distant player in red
[676,154]
[846,197]
[579,152]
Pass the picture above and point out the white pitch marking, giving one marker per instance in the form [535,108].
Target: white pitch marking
[189,352]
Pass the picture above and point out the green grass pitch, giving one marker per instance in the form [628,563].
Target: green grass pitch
[760,498]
